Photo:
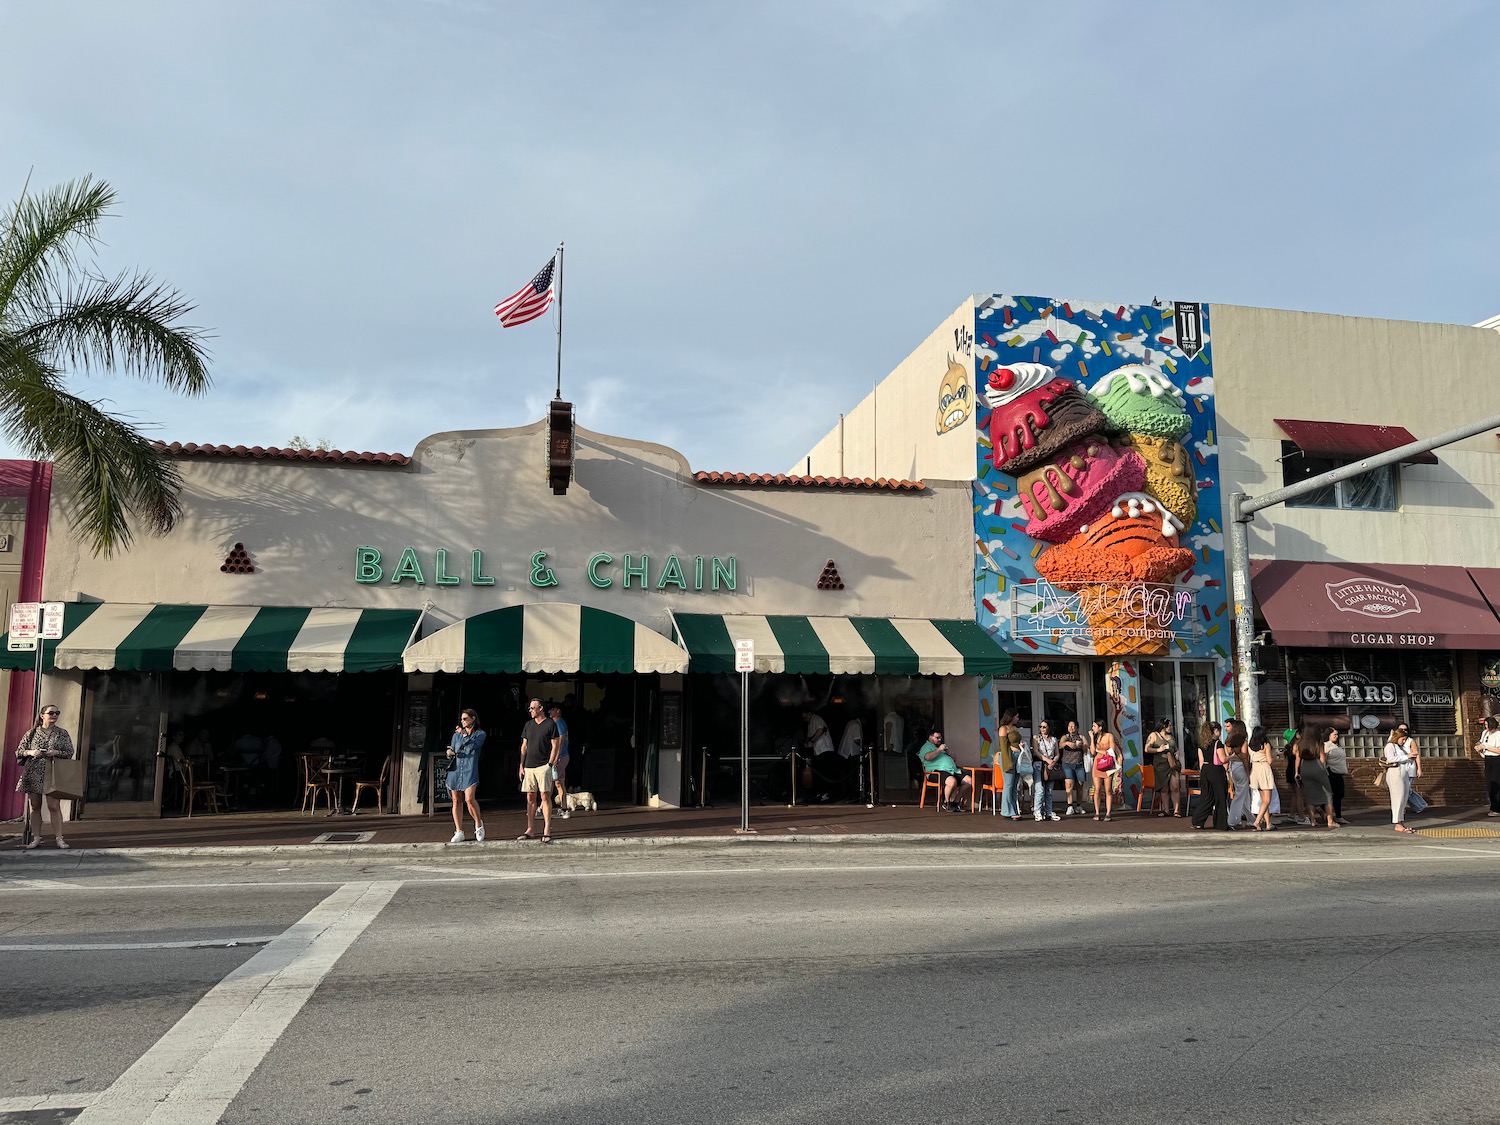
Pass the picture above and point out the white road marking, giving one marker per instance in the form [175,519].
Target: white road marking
[192,1073]
[45,884]
[111,947]
[24,1103]
[1493,853]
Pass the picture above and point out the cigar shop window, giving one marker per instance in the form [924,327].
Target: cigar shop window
[1374,491]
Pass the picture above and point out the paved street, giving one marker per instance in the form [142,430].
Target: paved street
[1324,981]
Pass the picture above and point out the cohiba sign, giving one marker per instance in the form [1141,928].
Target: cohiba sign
[1342,688]
[635,572]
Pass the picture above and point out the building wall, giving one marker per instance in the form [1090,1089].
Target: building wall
[918,422]
[1427,377]
[301,524]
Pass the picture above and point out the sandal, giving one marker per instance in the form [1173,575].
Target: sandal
[1405,830]
[525,836]
[1096,816]
[546,839]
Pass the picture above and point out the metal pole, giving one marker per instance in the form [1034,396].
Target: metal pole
[1242,509]
[559,318]
[744,751]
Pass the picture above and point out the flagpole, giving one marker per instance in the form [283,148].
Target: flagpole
[559,318]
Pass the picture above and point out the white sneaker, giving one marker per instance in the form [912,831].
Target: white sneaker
[538,815]
[458,837]
[565,814]
[479,834]
[1071,811]
[1056,817]
[1037,818]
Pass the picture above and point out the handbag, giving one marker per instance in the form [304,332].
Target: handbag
[66,777]
[1380,779]
[1023,760]
[1104,762]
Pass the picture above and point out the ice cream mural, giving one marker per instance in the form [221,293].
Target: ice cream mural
[1096,495]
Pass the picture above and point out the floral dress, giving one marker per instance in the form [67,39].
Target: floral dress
[53,742]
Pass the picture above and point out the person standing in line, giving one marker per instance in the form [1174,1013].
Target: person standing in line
[1213,773]
[1235,740]
[817,740]
[1262,776]
[1293,781]
[540,745]
[1007,746]
[1167,769]
[1312,774]
[44,742]
[463,773]
[1044,759]
[1106,766]
[1403,765]
[554,712]
[1488,749]
[1071,746]
[1337,764]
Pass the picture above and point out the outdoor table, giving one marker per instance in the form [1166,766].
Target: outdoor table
[974,772]
[232,777]
[339,773]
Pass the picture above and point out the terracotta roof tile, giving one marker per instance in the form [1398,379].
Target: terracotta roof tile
[273,453]
[782,480]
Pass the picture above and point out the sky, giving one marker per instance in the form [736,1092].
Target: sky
[765,205]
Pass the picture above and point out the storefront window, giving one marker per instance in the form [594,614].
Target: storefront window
[124,729]
[1431,692]
[1157,702]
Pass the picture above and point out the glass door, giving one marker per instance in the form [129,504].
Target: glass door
[124,726]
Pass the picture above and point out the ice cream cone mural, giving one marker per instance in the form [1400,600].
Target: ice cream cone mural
[1098,530]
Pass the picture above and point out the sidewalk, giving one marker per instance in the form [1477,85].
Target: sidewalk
[255,831]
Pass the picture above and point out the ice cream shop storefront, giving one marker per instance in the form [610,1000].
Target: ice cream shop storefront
[317,604]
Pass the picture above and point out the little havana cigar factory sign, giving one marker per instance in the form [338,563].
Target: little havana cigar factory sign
[1342,688]
[603,569]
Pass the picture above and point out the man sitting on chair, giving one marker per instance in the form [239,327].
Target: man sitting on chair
[935,758]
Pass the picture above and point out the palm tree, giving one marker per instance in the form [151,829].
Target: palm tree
[60,316]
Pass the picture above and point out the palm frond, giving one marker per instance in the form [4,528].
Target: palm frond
[100,326]
[43,236]
[110,472]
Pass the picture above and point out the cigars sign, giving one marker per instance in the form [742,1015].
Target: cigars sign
[1342,688]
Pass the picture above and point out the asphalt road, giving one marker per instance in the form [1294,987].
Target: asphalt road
[754,983]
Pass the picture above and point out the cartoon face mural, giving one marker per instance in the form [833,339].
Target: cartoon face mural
[955,399]
[1096,517]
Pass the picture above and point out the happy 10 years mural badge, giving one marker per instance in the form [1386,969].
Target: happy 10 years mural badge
[1096,492]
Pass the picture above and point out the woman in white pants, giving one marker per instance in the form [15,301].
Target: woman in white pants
[1235,738]
[1403,764]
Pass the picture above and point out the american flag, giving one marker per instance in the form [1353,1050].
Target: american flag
[530,301]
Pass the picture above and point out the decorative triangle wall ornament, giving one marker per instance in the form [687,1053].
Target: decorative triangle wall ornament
[238,561]
[829,579]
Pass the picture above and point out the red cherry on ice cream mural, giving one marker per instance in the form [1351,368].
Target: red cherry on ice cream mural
[1003,378]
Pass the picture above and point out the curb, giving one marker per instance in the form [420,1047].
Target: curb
[470,850]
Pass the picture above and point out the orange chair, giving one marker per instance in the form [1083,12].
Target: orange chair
[933,779]
[995,787]
[1148,785]
[1192,785]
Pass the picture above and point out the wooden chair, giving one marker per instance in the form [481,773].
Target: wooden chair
[315,781]
[934,780]
[1148,785]
[377,786]
[192,787]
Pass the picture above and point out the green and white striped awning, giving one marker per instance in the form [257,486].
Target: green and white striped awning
[224,638]
[880,646]
[546,637]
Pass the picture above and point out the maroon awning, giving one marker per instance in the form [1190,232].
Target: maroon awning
[1352,605]
[1488,581]
[1348,441]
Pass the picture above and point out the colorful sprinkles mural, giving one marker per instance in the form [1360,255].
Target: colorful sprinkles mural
[1096,494]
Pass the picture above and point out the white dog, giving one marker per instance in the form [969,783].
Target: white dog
[580,800]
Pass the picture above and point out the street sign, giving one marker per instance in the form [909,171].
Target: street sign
[25,622]
[52,621]
[744,656]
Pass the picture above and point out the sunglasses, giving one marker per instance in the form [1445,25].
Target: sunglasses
[54,714]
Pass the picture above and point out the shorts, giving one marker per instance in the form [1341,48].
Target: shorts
[537,779]
[1072,772]
[560,771]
